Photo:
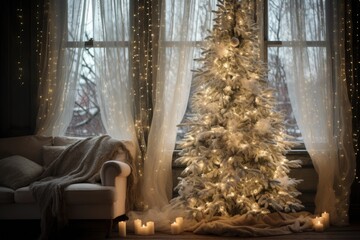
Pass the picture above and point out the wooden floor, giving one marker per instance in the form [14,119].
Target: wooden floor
[96,231]
[349,232]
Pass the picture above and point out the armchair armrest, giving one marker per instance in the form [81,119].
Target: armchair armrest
[113,169]
[114,173]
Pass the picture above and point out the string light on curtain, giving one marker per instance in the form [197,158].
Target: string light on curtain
[355,93]
[135,60]
[345,86]
[39,46]
[49,48]
[51,61]
[38,39]
[39,43]
[340,188]
[20,17]
[142,73]
[351,75]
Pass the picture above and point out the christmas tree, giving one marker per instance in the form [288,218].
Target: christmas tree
[235,149]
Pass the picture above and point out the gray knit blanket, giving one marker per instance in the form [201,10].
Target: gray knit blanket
[78,163]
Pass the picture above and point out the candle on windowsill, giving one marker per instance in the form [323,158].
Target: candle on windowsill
[122,229]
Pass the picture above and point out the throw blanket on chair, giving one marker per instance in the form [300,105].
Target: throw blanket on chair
[80,162]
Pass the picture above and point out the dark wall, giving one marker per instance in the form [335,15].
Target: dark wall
[18,84]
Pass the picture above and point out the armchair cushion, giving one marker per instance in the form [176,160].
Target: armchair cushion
[17,171]
[77,193]
[6,195]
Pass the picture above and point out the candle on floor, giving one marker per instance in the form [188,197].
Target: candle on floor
[122,229]
[318,226]
[137,225]
[143,230]
[180,221]
[175,228]
[315,220]
[325,219]
[151,227]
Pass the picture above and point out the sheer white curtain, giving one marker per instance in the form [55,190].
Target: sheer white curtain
[60,65]
[111,27]
[62,59]
[318,93]
[183,23]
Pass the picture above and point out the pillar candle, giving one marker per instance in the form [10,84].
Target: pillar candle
[180,221]
[325,219]
[318,226]
[151,227]
[122,229]
[315,220]
[137,225]
[143,230]
[175,228]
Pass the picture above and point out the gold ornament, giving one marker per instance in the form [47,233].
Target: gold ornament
[234,42]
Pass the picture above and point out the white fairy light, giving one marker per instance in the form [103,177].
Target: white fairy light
[235,158]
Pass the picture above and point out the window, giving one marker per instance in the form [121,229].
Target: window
[86,119]
[278,49]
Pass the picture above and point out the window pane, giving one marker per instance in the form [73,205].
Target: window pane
[309,13]
[86,120]
[280,63]
[278,57]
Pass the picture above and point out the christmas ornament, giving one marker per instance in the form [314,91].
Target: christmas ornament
[234,42]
